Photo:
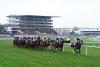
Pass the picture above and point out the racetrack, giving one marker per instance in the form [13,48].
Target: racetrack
[11,56]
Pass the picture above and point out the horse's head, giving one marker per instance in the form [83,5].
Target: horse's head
[82,42]
[72,45]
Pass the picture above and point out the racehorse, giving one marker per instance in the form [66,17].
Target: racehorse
[44,44]
[15,41]
[57,45]
[77,46]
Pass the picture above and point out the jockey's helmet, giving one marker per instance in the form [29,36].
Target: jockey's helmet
[77,39]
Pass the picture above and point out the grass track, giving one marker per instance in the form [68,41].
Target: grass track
[11,56]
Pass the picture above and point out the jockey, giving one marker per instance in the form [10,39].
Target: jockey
[57,40]
[77,39]
[44,39]
[62,40]
[35,38]
[48,39]
[78,44]
[38,38]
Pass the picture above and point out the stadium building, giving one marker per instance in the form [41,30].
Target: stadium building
[90,31]
[63,31]
[30,24]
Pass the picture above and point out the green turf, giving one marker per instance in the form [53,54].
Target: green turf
[11,56]
[90,41]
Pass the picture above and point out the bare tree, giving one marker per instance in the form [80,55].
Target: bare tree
[75,28]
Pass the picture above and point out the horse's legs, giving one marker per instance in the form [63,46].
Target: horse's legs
[61,48]
[75,51]
[79,51]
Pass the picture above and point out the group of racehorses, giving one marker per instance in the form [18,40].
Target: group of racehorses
[37,42]
[46,43]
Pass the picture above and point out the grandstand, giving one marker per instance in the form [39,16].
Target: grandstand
[30,24]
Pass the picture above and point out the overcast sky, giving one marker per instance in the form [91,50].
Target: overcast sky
[81,13]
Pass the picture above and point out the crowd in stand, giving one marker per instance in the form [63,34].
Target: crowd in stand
[40,30]
[3,30]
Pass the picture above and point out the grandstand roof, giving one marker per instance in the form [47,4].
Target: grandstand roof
[90,31]
[30,16]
